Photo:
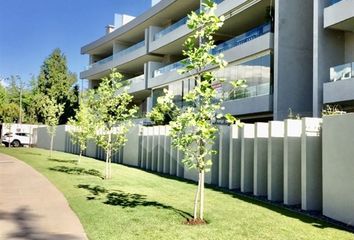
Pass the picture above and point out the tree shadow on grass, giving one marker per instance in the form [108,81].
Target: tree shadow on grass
[76,171]
[31,153]
[62,160]
[127,200]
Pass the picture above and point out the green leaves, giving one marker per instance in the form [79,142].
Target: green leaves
[111,111]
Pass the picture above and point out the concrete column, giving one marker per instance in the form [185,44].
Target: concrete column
[275,161]
[235,158]
[180,165]
[131,148]
[149,149]
[260,159]
[161,149]
[91,148]
[292,162]
[167,152]
[173,161]
[152,31]
[155,148]
[247,152]
[311,164]
[224,151]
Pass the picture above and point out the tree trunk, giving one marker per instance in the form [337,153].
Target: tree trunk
[202,174]
[51,146]
[196,199]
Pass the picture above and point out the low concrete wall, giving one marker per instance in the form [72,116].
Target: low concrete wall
[338,167]
[260,159]
[247,154]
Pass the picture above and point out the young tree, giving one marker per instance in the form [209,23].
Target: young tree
[112,113]
[193,132]
[51,111]
[82,125]
[165,110]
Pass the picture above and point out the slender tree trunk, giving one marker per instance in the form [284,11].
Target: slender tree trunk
[196,199]
[202,175]
[51,145]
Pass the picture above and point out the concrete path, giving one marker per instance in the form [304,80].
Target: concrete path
[31,207]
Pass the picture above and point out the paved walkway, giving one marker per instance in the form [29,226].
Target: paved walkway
[31,207]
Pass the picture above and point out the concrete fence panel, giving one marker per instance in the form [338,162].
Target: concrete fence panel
[292,162]
[224,156]
[161,149]
[235,158]
[260,159]
[247,152]
[311,164]
[150,135]
[167,152]
[131,148]
[155,148]
[275,163]
[338,167]
[173,161]
[144,145]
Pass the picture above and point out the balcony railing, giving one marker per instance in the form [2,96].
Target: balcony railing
[251,91]
[129,49]
[176,25]
[331,2]
[117,54]
[342,72]
[243,38]
[168,68]
[136,80]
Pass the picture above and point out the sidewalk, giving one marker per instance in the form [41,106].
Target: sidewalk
[31,207]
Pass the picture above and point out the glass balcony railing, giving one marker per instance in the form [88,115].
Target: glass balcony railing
[117,54]
[168,68]
[341,72]
[100,62]
[136,80]
[251,91]
[243,38]
[331,2]
[176,25]
[129,49]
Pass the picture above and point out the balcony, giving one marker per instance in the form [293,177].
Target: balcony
[137,84]
[243,38]
[257,40]
[339,15]
[341,84]
[120,59]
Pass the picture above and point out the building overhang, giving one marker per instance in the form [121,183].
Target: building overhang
[340,16]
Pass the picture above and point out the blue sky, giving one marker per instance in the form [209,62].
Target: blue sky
[31,29]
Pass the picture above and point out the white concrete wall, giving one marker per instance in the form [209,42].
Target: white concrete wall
[235,158]
[275,155]
[311,164]
[260,159]
[247,152]
[292,162]
[338,167]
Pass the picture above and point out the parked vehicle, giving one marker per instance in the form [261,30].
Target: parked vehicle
[16,139]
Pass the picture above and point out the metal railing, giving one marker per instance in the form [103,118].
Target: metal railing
[251,91]
[341,72]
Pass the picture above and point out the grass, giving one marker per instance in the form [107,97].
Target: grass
[139,205]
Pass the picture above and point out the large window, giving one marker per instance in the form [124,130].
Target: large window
[256,72]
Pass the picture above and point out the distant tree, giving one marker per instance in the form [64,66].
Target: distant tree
[82,125]
[57,82]
[111,105]
[52,110]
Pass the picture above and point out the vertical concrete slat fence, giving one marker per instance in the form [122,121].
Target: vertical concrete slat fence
[278,160]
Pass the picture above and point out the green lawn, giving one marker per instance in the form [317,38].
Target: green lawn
[140,205]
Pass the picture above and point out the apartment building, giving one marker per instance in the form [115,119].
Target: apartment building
[269,43]
[333,75]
